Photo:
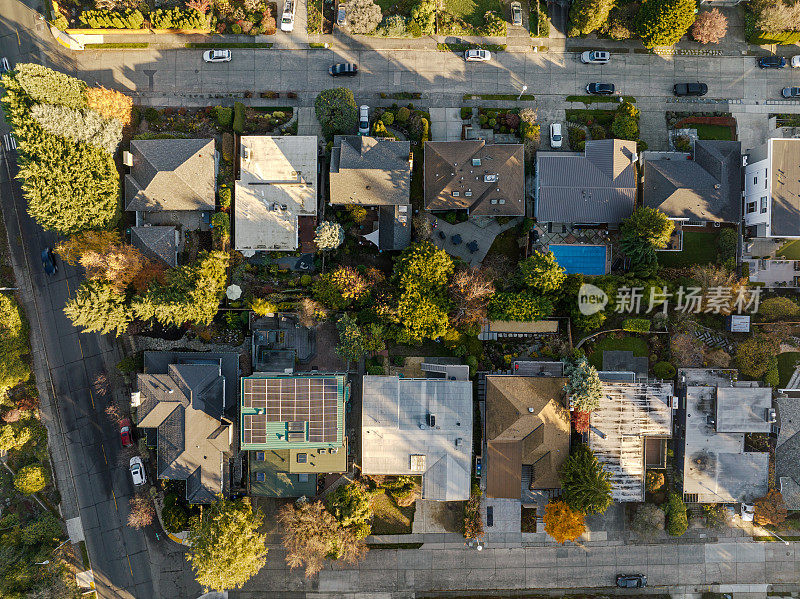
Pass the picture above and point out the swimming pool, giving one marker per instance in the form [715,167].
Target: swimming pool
[584,259]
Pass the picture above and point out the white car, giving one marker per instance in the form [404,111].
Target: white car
[137,471]
[555,135]
[595,57]
[795,61]
[287,19]
[477,55]
[5,67]
[217,56]
[363,120]
[748,512]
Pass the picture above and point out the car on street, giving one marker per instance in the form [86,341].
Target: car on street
[748,512]
[137,471]
[772,62]
[600,89]
[516,14]
[631,581]
[217,56]
[555,135]
[476,55]
[287,18]
[49,262]
[363,120]
[125,433]
[341,16]
[343,69]
[595,57]
[795,61]
[4,66]
[690,89]
[791,92]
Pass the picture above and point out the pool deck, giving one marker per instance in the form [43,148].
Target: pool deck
[596,237]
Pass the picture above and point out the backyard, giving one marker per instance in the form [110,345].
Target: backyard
[790,250]
[638,345]
[699,247]
[786,363]
[714,132]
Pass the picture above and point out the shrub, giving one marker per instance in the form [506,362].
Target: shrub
[387,118]
[425,136]
[111,104]
[466,113]
[174,516]
[598,132]
[112,19]
[363,16]
[664,370]
[152,116]
[402,114]
[626,121]
[577,139]
[683,143]
[653,481]
[393,26]
[225,197]
[13,345]
[677,519]
[79,125]
[636,325]
[336,111]
[224,116]
[30,479]
[776,308]
[663,22]
[238,117]
[770,510]
[305,280]
[178,18]
[726,243]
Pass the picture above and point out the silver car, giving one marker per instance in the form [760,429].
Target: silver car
[516,14]
[363,120]
[477,55]
[595,57]
[217,56]
[137,471]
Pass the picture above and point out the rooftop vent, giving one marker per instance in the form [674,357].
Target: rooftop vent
[531,410]
[770,416]
[476,162]
[489,178]
[467,194]
[245,152]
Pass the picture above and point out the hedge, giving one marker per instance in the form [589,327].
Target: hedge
[238,117]
[636,325]
[677,520]
[224,115]
[664,370]
[112,19]
[178,18]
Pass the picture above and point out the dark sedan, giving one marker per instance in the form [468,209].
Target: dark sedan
[690,89]
[600,89]
[772,62]
[631,581]
[343,69]
[49,262]
[791,92]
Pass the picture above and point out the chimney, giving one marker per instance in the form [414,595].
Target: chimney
[127,158]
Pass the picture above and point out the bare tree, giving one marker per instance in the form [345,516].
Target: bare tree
[709,27]
[470,290]
[142,511]
[687,350]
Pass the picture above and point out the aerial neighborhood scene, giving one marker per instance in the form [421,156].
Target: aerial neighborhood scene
[399,299]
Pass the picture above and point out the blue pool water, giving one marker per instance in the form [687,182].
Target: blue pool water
[584,259]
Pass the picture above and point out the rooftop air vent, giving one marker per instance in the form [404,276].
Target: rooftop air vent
[489,178]
[770,416]
[245,152]
[476,162]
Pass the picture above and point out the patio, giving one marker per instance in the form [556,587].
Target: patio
[774,273]
[470,240]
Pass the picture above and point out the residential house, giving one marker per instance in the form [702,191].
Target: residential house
[787,450]
[483,179]
[629,432]
[717,466]
[181,402]
[171,187]
[275,196]
[375,173]
[419,427]
[527,434]
[292,427]
[772,213]
[596,187]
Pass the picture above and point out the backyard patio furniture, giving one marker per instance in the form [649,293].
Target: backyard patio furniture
[456,239]
[472,246]
[442,235]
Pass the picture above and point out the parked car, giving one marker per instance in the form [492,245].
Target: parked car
[791,92]
[363,120]
[476,55]
[631,581]
[49,262]
[125,432]
[748,512]
[478,459]
[555,135]
[341,16]
[287,18]
[795,61]
[595,57]
[772,62]
[343,69]
[600,89]
[516,14]
[217,56]
[137,471]
[690,89]
[4,66]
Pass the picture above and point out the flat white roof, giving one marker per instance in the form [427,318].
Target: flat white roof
[277,184]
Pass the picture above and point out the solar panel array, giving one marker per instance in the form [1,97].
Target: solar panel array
[295,400]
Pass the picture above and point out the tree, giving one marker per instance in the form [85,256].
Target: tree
[422,317]
[364,16]
[312,534]
[355,342]
[262,306]
[650,224]
[329,235]
[336,111]
[663,22]
[677,519]
[562,522]
[641,253]
[709,27]
[776,15]
[85,125]
[98,307]
[653,481]
[13,345]
[522,306]
[583,385]
[227,547]
[110,104]
[753,356]
[542,273]
[470,291]
[626,122]
[351,506]
[423,18]
[776,308]
[423,266]
[648,520]
[45,530]
[586,485]
[45,85]
[473,521]
[31,479]
[14,435]
[770,510]
[687,350]
[581,421]
[351,283]
[585,16]
[142,511]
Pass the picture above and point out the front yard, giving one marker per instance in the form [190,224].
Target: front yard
[389,518]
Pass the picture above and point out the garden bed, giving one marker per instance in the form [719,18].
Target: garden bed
[708,125]
[501,120]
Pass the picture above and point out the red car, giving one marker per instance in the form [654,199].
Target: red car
[125,432]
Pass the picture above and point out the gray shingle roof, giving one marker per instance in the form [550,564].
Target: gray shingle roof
[157,243]
[707,188]
[394,227]
[787,451]
[785,187]
[487,179]
[598,186]
[370,172]
[171,174]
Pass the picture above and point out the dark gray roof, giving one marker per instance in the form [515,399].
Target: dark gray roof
[598,186]
[157,243]
[625,361]
[785,187]
[368,171]
[708,188]
[171,174]
[394,227]
[487,179]
[787,451]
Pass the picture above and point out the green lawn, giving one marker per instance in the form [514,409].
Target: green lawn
[473,11]
[699,247]
[786,362]
[506,244]
[389,518]
[638,345]
[790,250]
[712,131]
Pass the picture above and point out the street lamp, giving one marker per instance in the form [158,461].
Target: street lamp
[524,87]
